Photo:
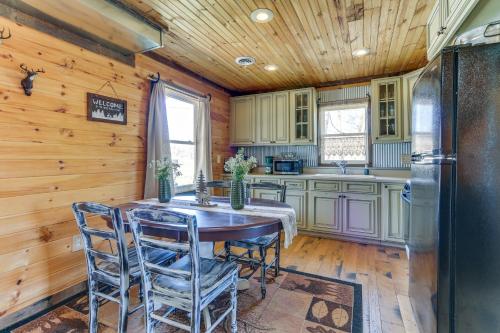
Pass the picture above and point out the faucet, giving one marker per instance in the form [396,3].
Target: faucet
[342,165]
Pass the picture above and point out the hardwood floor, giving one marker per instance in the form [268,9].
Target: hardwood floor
[382,271]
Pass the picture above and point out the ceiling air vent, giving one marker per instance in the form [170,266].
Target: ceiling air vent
[245,61]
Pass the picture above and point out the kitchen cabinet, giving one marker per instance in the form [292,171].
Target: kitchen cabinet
[298,201]
[264,117]
[444,21]
[266,194]
[324,211]
[281,117]
[408,81]
[272,116]
[386,109]
[362,209]
[302,116]
[360,215]
[243,120]
[394,228]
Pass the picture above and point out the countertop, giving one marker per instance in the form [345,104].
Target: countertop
[339,177]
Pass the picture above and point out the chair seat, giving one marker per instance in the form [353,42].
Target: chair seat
[253,243]
[157,256]
[212,273]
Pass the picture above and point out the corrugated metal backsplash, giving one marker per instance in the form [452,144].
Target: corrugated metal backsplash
[384,155]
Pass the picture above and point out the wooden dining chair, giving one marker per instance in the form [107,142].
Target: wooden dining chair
[223,185]
[260,244]
[111,272]
[191,283]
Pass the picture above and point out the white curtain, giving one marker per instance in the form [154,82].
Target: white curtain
[203,137]
[158,144]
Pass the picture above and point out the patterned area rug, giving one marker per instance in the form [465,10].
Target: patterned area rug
[295,302]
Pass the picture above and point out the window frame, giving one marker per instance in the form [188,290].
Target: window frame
[184,97]
[352,104]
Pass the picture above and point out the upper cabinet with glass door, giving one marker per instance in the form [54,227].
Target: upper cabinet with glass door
[302,116]
[386,109]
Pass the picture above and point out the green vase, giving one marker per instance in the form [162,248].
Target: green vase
[164,190]
[237,194]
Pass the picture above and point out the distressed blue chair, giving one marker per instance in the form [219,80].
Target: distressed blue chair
[190,284]
[259,244]
[110,274]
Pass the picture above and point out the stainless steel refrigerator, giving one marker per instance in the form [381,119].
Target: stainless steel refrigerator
[454,238]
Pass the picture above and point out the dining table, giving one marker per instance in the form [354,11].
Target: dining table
[213,226]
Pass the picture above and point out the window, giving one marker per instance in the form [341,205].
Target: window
[343,133]
[181,124]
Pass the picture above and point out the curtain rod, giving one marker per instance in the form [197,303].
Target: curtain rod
[178,88]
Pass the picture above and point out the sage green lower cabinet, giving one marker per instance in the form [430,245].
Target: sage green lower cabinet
[324,211]
[393,221]
[298,201]
[360,215]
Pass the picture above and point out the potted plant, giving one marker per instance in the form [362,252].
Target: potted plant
[239,167]
[165,170]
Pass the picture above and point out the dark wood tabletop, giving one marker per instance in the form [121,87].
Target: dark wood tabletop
[216,226]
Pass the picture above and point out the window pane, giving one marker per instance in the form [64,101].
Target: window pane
[344,133]
[349,148]
[343,121]
[184,154]
[180,116]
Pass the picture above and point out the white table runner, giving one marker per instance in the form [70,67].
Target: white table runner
[285,214]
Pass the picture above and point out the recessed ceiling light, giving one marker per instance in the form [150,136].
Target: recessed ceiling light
[360,52]
[245,61]
[262,15]
[271,67]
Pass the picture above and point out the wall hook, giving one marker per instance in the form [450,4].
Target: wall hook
[4,35]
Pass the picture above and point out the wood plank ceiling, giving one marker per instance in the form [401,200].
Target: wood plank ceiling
[311,41]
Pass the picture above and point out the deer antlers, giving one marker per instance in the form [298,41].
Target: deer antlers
[32,71]
[27,82]
[3,35]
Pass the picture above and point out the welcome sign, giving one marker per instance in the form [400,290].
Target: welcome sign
[106,109]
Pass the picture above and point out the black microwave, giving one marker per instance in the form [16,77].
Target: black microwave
[288,166]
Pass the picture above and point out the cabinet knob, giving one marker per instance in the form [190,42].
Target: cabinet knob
[385,186]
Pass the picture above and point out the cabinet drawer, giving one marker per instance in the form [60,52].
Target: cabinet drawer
[324,185]
[294,184]
[360,187]
[266,180]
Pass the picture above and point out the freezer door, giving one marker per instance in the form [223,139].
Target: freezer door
[477,222]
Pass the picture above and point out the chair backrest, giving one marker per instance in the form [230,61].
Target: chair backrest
[268,186]
[93,240]
[219,184]
[168,220]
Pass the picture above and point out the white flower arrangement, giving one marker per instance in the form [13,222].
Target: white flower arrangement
[238,166]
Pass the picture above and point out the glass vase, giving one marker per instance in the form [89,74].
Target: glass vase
[164,190]
[237,197]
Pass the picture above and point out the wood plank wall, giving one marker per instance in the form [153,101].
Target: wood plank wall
[51,156]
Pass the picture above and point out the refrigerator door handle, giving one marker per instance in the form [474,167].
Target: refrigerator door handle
[428,158]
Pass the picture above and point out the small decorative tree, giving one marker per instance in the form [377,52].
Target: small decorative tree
[202,196]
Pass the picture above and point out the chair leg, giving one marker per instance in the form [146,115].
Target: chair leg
[123,318]
[262,252]
[141,292]
[148,310]
[206,318]
[227,248]
[195,319]
[277,255]
[93,307]
[234,304]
